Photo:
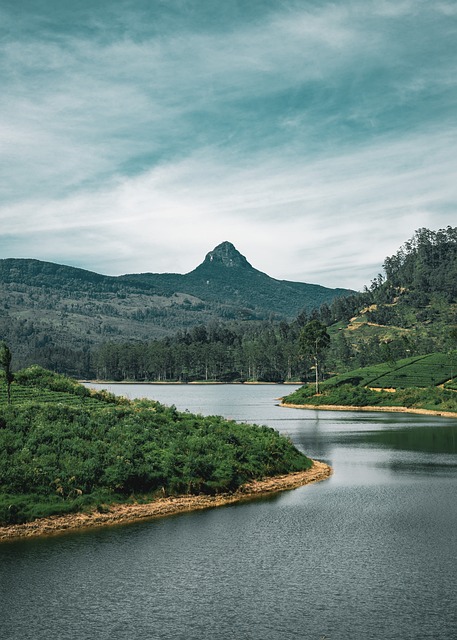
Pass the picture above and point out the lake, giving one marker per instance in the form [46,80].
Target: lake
[368,554]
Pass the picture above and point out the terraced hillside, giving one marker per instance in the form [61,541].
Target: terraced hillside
[421,382]
[418,371]
[37,385]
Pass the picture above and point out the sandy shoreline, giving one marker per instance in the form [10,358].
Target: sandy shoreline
[129,513]
[341,407]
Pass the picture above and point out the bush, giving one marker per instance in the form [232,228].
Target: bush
[57,457]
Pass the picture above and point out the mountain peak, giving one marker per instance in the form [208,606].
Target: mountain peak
[226,255]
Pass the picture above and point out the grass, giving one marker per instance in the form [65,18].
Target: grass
[418,382]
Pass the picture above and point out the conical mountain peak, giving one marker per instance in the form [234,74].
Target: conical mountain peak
[226,255]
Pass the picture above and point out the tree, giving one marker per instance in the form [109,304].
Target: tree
[314,340]
[453,336]
[5,362]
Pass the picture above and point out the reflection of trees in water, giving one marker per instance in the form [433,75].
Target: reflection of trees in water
[431,439]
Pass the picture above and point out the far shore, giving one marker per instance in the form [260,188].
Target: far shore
[119,514]
[177,382]
[341,407]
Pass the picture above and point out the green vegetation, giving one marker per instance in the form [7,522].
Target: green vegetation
[227,322]
[58,316]
[314,341]
[5,362]
[410,310]
[64,449]
[219,352]
[411,382]
[419,371]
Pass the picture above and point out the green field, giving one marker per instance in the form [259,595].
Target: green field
[21,395]
[419,371]
[36,384]
[430,370]
[426,382]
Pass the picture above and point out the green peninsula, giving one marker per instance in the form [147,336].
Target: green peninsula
[66,449]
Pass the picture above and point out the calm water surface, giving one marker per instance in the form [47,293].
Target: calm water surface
[370,553]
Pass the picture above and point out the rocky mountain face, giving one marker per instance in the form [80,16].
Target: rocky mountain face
[225,255]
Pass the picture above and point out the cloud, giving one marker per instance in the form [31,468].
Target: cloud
[315,136]
[342,210]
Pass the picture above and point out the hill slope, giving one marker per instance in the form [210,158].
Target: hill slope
[225,277]
[425,382]
[49,309]
[411,310]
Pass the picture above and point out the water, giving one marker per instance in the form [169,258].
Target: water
[369,554]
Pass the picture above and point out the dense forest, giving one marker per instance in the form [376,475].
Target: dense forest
[410,309]
[219,352]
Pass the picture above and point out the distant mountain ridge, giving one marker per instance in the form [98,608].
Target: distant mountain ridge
[49,307]
[225,276]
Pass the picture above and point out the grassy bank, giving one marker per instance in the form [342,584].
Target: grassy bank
[65,449]
[129,512]
[420,383]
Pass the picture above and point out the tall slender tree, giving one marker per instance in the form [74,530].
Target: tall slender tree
[314,341]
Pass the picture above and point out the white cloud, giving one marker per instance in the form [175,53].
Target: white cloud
[309,138]
[342,210]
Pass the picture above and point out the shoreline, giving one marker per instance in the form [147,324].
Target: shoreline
[392,409]
[119,514]
[192,382]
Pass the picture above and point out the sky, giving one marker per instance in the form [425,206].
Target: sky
[136,135]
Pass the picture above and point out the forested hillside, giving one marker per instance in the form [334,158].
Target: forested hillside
[115,329]
[56,315]
[411,310]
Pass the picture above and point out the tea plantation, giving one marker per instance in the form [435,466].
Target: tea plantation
[64,449]
[427,382]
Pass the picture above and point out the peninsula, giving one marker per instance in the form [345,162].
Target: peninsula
[74,458]
[129,513]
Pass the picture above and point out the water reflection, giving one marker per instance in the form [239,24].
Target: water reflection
[439,439]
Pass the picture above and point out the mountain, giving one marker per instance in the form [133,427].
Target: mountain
[50,310]
[227,278]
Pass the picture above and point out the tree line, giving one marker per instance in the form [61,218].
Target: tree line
[217,352]
[409,310]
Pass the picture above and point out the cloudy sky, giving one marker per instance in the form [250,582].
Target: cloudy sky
[137,135]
